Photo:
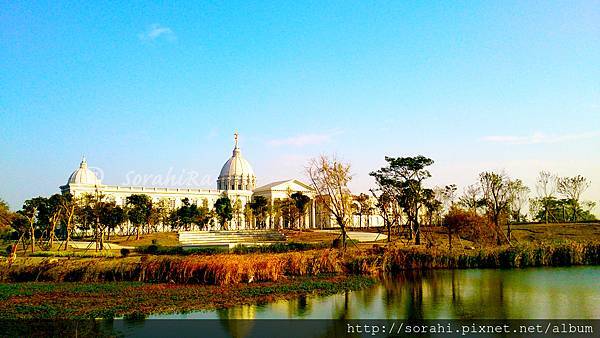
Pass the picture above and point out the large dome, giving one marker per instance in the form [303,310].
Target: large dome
[83,175]
[237,173]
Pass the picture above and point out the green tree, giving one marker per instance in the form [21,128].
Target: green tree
[259,206]
[572,188]
[187,214]
[224,211]
[32,210]
[55,216]
[403,177]
[111,217]
[300,203]
[20,224]
[204,215]
[139,208]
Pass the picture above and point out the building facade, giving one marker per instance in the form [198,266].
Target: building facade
[236,181]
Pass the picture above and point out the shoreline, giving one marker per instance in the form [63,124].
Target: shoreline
[229,269]
[135,300]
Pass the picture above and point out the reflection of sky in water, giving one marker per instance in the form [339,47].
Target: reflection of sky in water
[563,293]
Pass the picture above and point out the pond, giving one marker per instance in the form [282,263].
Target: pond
[544,293]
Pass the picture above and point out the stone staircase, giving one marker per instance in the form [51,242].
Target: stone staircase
[228,239]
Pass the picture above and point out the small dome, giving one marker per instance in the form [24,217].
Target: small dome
[237,173]
[83,175]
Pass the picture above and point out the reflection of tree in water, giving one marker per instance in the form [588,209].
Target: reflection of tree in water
[237,328]
[444,294]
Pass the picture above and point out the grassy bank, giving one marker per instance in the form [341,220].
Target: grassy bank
[395,259]
[220,269]
[226,269]
[135,299]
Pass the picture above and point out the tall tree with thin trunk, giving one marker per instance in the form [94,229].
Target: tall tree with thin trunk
[496,193]
[139,208]
[519,194]
[31,209]
[572,188]
[329,178]
[546,188]
[69,208]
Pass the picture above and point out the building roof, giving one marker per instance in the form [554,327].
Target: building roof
[83,175]
[274,185]
[237,165]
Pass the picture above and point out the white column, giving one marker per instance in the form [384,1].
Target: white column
[313,218]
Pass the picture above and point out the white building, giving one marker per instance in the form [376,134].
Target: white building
[236,181]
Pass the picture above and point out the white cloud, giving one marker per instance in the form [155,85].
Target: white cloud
[156,31]
[538,137]
[304,139]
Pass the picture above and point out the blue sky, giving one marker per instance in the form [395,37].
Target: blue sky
[145,88]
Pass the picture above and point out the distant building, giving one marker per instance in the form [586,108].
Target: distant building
[236,181]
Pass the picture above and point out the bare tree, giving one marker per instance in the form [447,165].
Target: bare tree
[546,188]
[496,193]
[329,178]
[572,188]
[471,198]
[519,194]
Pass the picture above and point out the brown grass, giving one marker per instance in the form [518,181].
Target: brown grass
[215,270]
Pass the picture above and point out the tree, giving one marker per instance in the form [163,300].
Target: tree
[389,208]
[69,209]
[224,211]
[572,188]
[545,188]
[403,177]
[468,224]
[139,208]
[237,210]
[91,210]
[6,216]
[496,194]
[364,207]
[329,178]
[55,216]
[20,224]
[471,198]
[204,215]
[31,210]
[300,203]
[519,194]
[433,204]
[187,214]
[260,206]
[162,210]
[248,216]
[111,216]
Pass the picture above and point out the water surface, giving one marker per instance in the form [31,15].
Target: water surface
[533,293]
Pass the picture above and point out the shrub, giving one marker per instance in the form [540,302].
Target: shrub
[125,252]
[152,249]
